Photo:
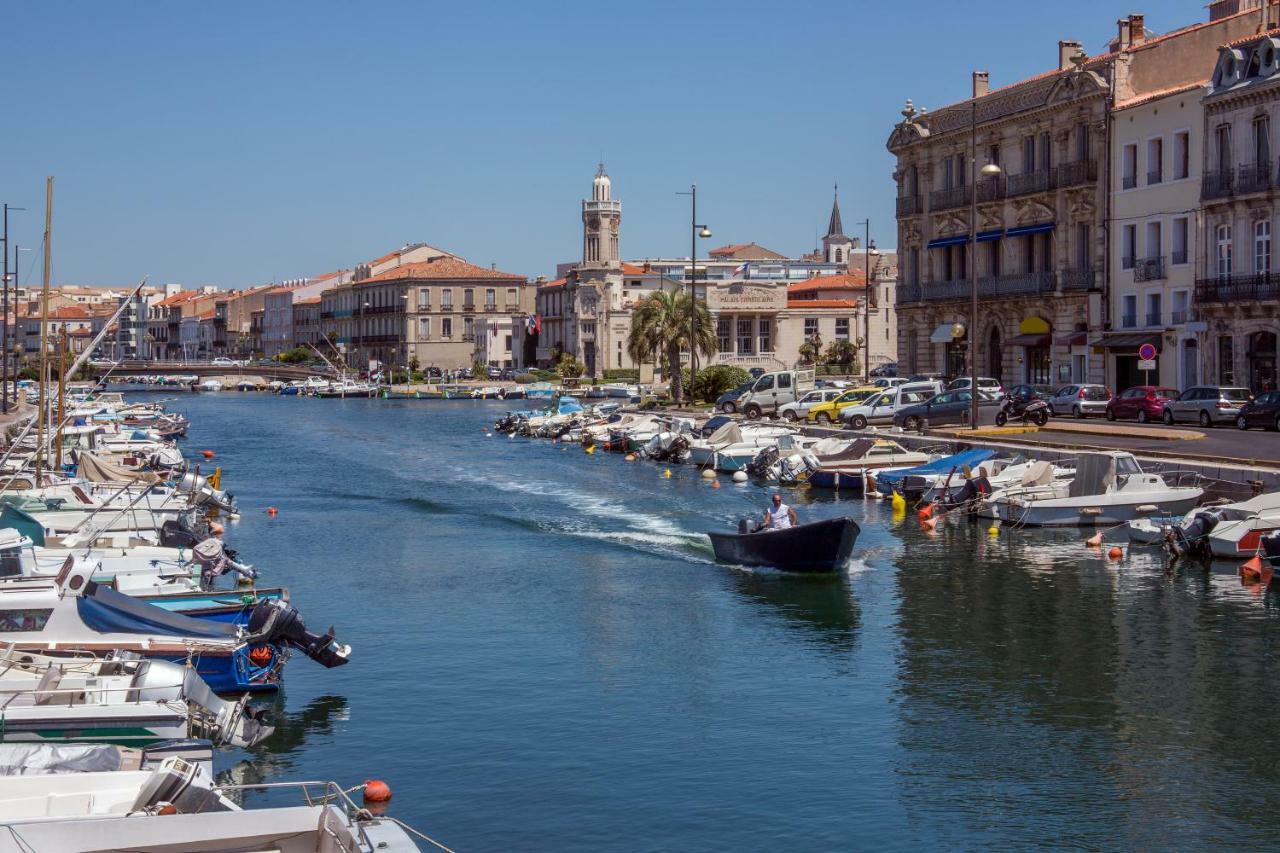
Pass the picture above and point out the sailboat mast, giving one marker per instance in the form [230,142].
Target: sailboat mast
[44,324]
[62,394]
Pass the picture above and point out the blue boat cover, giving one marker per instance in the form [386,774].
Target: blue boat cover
[110,612]
[957,461]
[569,406]
[139,435]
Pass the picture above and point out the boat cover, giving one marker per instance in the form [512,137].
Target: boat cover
[727,434]
[1039,473]
[938,466]
[95,469]
[569,406]
[110,612]
[855,449]
[1095,475]
[37,759]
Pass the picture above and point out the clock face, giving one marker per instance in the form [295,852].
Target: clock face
[593,224]
[614,226]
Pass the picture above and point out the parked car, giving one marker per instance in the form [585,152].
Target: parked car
[881,408]
[985,383]
[1264,411]
[888,382]
[1144,402]
[1207,405]
[888,369]
[949,407]
[773,390]
[1028,391]
[797,410]
[826,413]
[495,372]
[728,401]
[1080,401]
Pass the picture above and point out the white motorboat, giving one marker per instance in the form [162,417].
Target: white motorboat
[745,439]
[1107,489]
[1232,530]
[848,467]
[210,385]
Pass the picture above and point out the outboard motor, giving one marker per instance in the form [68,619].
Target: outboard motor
[974,491]
[1270,545]
[216,559]
[1193,538]
[173,534]
[763,461]
[276,621]
[744,526]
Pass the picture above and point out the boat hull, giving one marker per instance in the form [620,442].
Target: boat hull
[1061,513]
[822,546]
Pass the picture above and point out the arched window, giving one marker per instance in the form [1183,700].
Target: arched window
[1262,247]
[839,256]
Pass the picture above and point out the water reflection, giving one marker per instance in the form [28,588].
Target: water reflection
[266,761]
[823,607]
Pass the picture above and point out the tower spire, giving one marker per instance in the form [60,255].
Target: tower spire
[835,228]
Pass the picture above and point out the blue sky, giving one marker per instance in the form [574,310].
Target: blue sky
[237,143]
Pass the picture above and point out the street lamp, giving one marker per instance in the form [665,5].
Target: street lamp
[872,252]
[990,171]
[363,305]
[696,231]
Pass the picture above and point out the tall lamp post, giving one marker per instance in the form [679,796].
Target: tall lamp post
[695,232]
[990,171]
[870,252]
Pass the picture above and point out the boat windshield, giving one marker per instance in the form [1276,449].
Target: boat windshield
[1126,465]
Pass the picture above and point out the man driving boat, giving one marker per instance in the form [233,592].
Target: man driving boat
[779,516]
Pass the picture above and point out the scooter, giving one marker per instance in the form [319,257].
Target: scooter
[1033,410]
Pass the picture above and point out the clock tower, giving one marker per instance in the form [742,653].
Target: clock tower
[601,218]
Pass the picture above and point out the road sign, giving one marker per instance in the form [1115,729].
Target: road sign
[1147,352]
[1146,363]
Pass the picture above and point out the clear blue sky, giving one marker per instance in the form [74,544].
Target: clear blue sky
[236,143]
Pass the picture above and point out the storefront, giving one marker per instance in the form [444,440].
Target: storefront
[955,340]
[1121,350]
[1032,343]
[1262,362]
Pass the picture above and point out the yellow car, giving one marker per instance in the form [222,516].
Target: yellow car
[826,413]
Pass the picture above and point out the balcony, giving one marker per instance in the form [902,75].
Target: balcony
[1155,177]
[1155,318]
[447,308]
[1077,173]
[512,307]
[904,293]
[948,199]
[326,315]
[1253,178]
[990,189]
[1241,288]
[1177,318]
[1179,257]
[1022,284]
[489,308]
[1128,321]
[1149,269]
[468,306]
[1217,185]
[909,205]
[467,337]
[1028,183]
[1128,182]
[1077,280]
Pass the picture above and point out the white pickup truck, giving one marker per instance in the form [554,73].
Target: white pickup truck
[773,390]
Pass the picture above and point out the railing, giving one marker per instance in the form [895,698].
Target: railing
[1126,263]
[383,309]
[1253,178]
[948,199]
[361,340]
[1216,185]
[512,307]
[1177,318]
[1128,182]
[468,337]
[1179,256]
[1029,182]
[905,293]
[326,315]
[468,306]
[1128,321]
[1241,288]
[909,205]
[489,307]
[1022,284]
[1079,172]
[990,189]
[765,359]
[1149,269]
[1155,177]
[447,307]
[1077,280]
[1155,318]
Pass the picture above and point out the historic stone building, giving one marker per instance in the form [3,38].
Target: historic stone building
[1041,248]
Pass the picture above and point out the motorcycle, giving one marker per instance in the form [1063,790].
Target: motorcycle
[1033,410]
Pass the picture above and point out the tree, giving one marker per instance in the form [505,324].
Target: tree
[840,351]
[660,329]
[715,380]
[810,350]
[570,367]
[479,370]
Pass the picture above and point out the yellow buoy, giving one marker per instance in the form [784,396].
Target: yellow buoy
[899,503]
[666,472]
[993,531]
[591,449]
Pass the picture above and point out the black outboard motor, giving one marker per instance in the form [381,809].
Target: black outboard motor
[1194,537]
[277,621]
[763,461]
[1270,544]
[973,492]
[744,526]
[173,534]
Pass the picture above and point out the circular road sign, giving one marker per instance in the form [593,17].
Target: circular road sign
[1146,352]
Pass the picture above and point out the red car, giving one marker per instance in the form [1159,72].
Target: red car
[1144,402]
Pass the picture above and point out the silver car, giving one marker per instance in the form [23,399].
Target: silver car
[796,411]
[1080,401]
[1207,405]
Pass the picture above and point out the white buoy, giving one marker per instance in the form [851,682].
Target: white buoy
[708,474]
[739,476]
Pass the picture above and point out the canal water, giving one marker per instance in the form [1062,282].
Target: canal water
[547,658]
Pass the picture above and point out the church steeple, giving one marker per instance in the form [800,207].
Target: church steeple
[835,228]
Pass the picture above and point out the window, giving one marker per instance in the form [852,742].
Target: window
[766,334]
[1222,148]
[722,334]
[1181,154]
[1226,360]
[490,298]
[1153,240]
[993,154]
[810,326]
[1082,141]
[446,299]
[1155,310]
[26,619]
[746,342]
[1224,250]
[1129,165]
[842,328]
[1181,304]
[1155,160]
[468,299]
[446,326]
[1128,246]
[1028,155]
[424,328]
[1262,246]
[1262,142]
[1129,311]
[913,264]
[993,258]
[1046,152]
[839,256]
[1084,247]
[1180,233]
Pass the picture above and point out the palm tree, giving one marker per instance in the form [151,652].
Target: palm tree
[660,330]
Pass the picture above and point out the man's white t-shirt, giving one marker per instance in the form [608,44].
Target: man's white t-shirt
[780,517]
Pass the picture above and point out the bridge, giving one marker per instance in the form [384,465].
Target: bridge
[204,369]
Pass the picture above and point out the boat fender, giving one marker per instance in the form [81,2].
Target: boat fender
[376,791]
[1094,541]
[708,474]
[1115,553]
[899,502]
[739,476]
[993,531]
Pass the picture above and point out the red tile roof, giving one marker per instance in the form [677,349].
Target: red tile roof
[180,296]
[560,282]
[206,315]
[729,250]
[632,269]
[70,312]
[1157,95]
[821,303]
[853,280]
[445,269]
[80,333]
[310,300]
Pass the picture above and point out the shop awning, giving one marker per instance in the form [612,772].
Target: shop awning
[1022,230]
[941,242]
[1078,339]
[1126,340]
[1028,341]
[942,334]
[990,235]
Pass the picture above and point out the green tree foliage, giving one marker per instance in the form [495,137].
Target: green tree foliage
[661,328]
[570,367]
[713,381]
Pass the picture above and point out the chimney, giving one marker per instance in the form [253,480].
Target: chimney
[1066,50]
[981,83]
[1122,39]
[1137,29]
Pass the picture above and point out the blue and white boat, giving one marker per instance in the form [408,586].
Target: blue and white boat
[893,479]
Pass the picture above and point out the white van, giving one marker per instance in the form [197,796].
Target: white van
[879,410]
[775,389]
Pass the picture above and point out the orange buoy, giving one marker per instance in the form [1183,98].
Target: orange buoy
[925,512]
[1115,553]
[272,511]
[1094,541]
[715,484]
[207,454]
[216,529]
[1251,571]
[376,791]
[929,523]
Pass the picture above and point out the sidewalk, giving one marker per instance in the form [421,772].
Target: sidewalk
[1102,428]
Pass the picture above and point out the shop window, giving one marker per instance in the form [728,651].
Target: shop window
[1226,360]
